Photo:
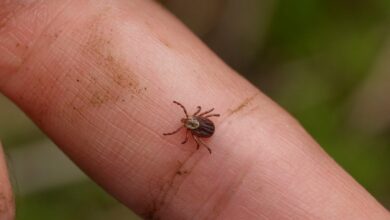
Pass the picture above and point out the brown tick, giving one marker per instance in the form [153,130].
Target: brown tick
[198,124]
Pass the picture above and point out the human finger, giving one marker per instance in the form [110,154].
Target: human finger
[99,79]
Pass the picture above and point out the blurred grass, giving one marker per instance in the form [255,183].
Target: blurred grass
[77,201]
[311,56]
[316,57]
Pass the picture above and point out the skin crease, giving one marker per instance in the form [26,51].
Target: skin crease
[99,79]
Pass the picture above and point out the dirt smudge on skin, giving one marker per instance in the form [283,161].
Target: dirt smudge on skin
[110,78]
[182,172]
[157,35]
[101,47]
[102,96]
[120,74]
[170,186]
[164,42]
[152,211]
[243,105]
[229,192]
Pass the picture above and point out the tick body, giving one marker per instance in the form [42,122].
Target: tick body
[198,125]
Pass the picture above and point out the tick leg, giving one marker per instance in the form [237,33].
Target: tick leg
[206,112]
[185,141]
[174,132]
[182,106]
[212,115]
[199,142]
[196,141]
[197,111]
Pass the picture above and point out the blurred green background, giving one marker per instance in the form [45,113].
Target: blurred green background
[325,61]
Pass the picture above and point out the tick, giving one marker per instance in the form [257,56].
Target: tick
[198,124]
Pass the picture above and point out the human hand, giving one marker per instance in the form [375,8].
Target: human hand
[99,78]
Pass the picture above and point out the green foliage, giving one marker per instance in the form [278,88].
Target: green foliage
[322,52]
[81,201]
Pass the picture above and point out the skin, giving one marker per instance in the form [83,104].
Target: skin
[99,77]
[6,198]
